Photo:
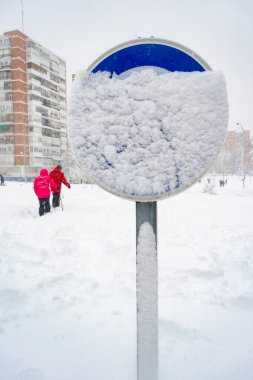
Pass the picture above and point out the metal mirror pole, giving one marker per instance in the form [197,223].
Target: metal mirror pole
[147,290]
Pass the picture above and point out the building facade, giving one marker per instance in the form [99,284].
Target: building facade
[236,156]
[33,106]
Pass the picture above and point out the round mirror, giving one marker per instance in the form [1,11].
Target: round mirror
[147,119]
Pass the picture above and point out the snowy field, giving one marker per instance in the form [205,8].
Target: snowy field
[67,285]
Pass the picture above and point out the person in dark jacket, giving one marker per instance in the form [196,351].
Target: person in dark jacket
[42,186]
[58,177]
[2,180]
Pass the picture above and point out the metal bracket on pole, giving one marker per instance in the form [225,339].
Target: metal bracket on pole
[147,290]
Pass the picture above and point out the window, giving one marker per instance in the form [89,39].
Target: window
[55,78]
[9,129]
[4,41]
[7,85]
[6,117]
[45,122]
[4,52]
[50,133]
[5,107]
[6,140]
[5,62]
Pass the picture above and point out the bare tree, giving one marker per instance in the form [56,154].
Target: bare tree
[72,169]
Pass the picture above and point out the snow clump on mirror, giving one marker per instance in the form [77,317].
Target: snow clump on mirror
[147,136]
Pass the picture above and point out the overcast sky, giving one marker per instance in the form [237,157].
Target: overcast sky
[220,31]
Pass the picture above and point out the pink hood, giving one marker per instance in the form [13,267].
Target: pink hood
[44,172]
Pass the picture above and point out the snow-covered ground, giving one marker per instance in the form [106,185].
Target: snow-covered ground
[67,285]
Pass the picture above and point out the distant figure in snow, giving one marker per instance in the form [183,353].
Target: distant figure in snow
[42,186]
[58,177]
[2,180]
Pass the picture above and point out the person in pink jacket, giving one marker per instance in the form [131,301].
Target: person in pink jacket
[43,185]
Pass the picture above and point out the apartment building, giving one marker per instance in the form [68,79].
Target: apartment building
[236,156]
[33,106]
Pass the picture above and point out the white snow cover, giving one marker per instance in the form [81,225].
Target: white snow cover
[147,136]
[147,303]
[68,285]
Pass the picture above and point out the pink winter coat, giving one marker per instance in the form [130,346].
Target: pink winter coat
[43,184]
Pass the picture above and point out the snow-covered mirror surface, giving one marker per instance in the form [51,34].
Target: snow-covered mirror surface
[147,135]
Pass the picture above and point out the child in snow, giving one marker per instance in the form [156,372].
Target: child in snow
[42,186]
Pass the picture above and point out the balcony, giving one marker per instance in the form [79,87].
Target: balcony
[39,69]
